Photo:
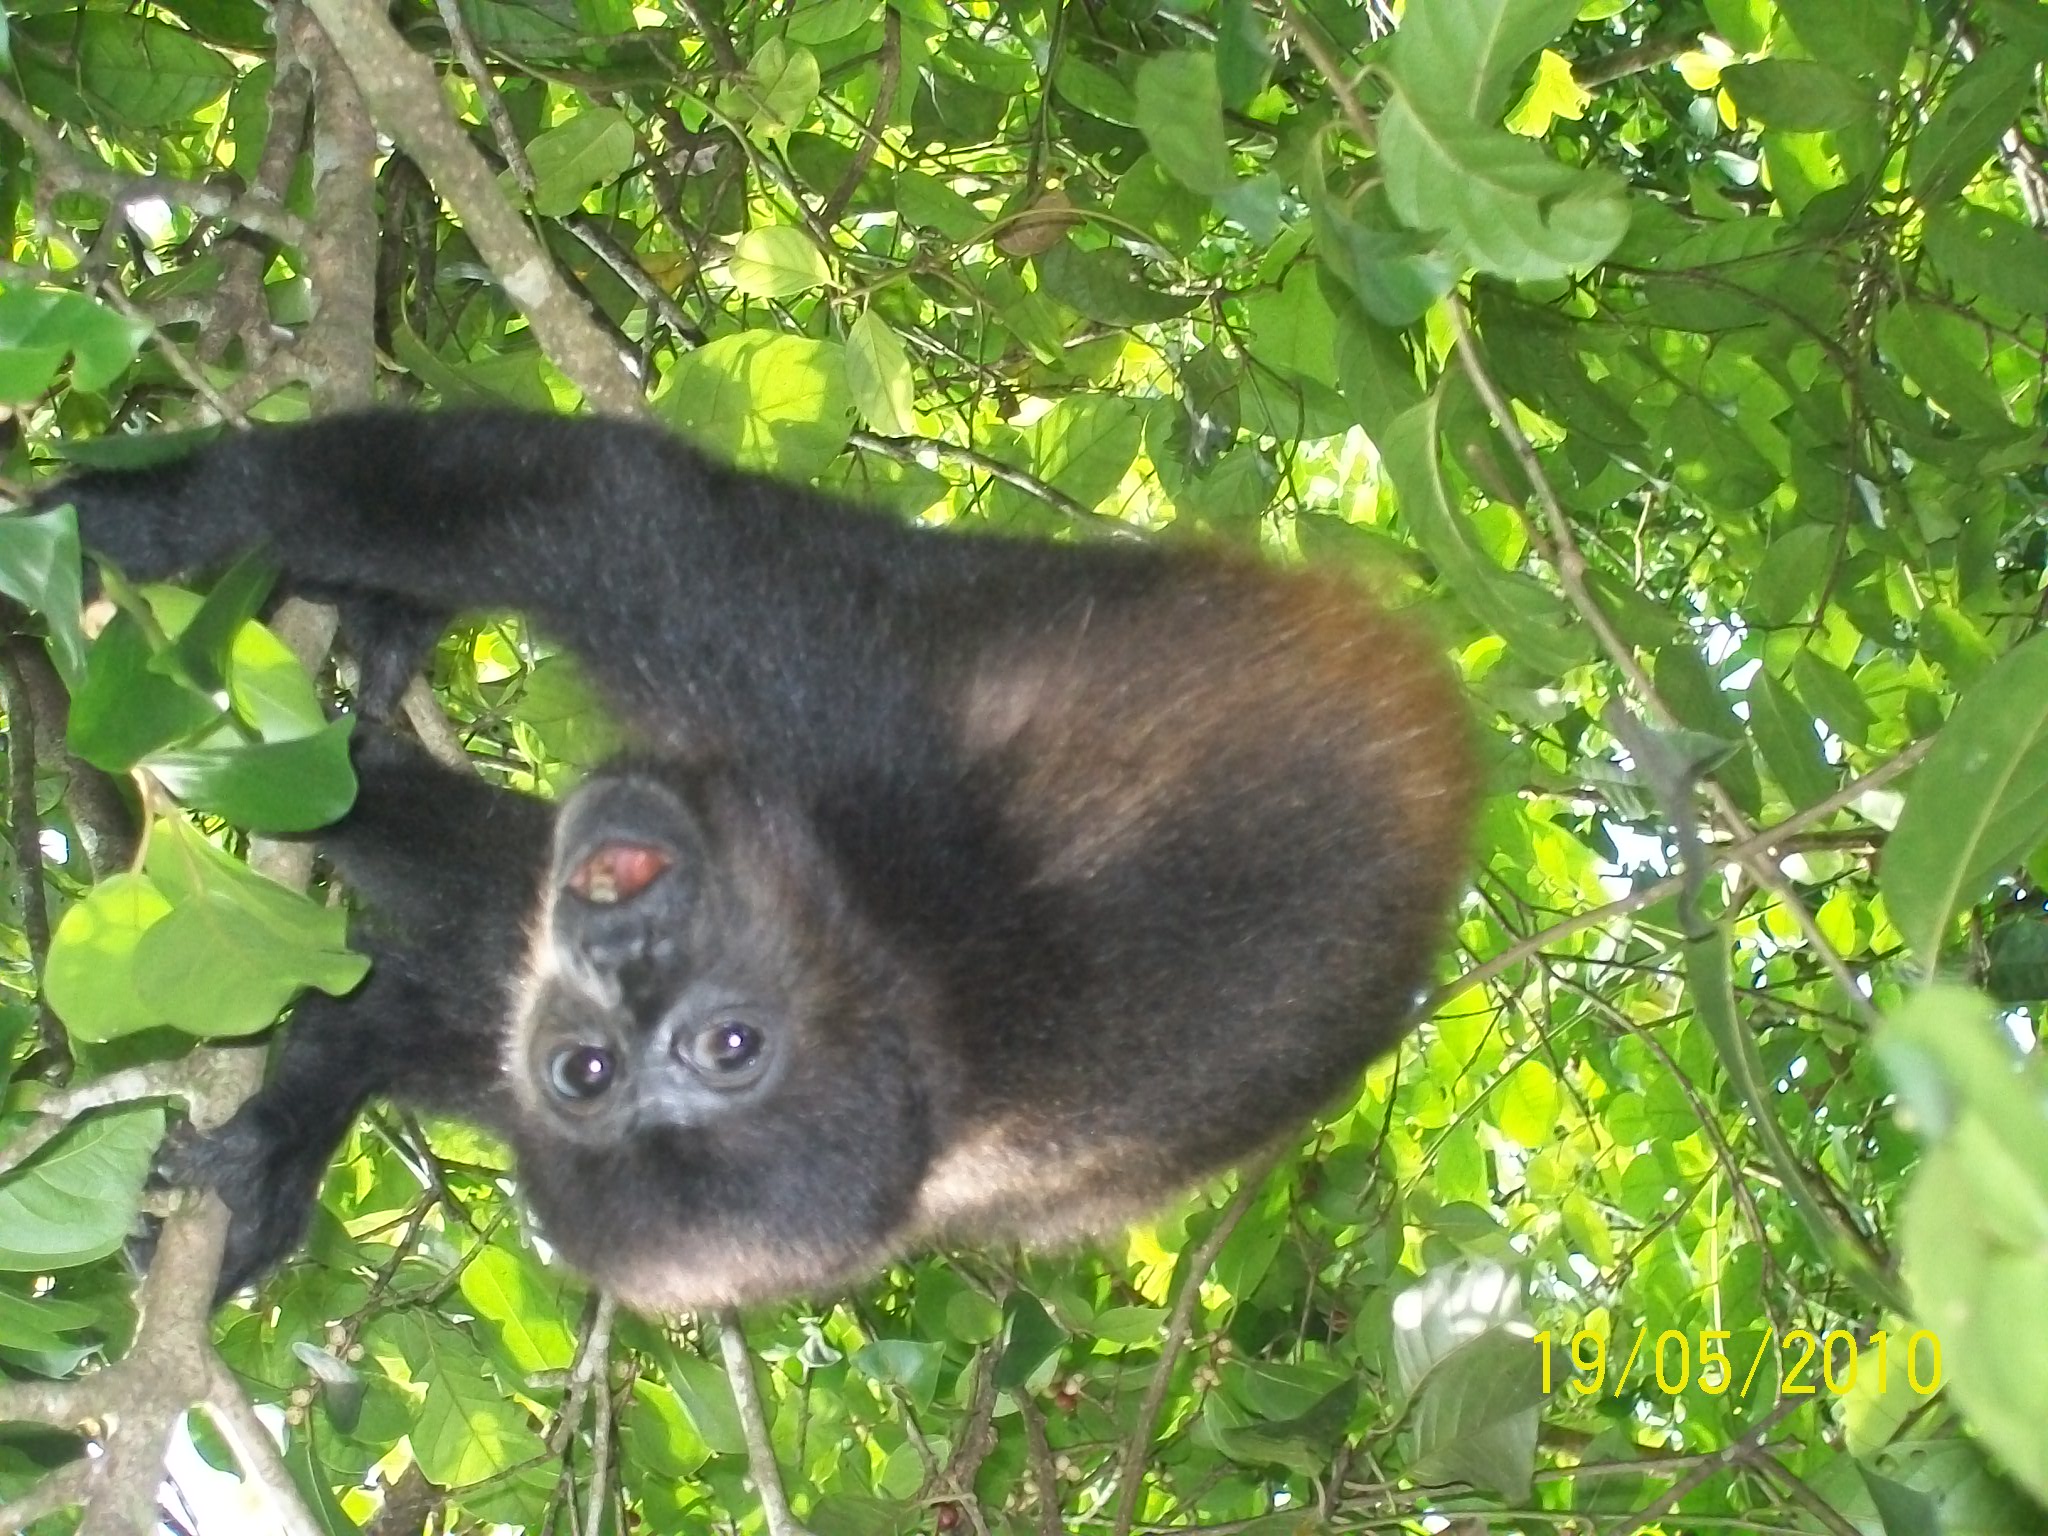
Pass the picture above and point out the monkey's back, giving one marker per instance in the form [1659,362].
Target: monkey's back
[1233,806]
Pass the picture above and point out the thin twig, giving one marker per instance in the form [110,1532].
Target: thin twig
[878,119]
[1137,1449]
[473,65]
[256,1453]
[739,1370]
[1045,1474]
[1662,890]
[913,450]
[593,1360]
[58,165]
[594,1370]
[1731,1455]
[26,825]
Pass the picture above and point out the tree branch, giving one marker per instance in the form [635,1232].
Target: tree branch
[404,96]
[1130,1478]
[914,450]
[739,1369]
[57,165]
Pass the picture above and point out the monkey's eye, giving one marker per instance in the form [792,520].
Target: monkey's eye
[728,1053]
[580,1072]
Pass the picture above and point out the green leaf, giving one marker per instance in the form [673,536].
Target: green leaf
[131,71]
[827,21]
[1034,1338]
[273,787]
[1973,1235]
[1107,285]
[468,1429]
[1949,358]
[1511,209]
[879,378]
[40,327]
[1526,1106]
[1832,694]
[202,943]
[519,1301]
[1095,90]
[1978,803]
[706,1396]
[775,94]
[1244,56]
[1461,55]
[589,150]
[1799,95]
[1985,98]
[89,977]
[201,652]
[763,400]
[1180,112]
[40,568]
[1084,445]
[1395,273]
[1535,623]
[776,261]
[74,1200]
[1784,734]
[928,203]
[1870,37]
[125,708]
[40,1324]
[911,1364]
[1302,1444]
[1991,253]
[1790,574]
[1474,1420]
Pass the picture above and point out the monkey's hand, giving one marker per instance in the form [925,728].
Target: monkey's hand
[267,1174]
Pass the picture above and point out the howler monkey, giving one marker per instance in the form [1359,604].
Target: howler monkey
[953,886]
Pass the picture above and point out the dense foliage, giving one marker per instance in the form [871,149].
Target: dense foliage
[1681,362]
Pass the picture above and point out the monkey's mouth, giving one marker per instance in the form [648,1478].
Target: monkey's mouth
[617,872]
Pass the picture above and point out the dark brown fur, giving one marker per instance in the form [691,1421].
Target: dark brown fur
[1008,887]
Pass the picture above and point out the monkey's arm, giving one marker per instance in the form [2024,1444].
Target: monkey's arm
[604,530]
[449,864]
[266,1163]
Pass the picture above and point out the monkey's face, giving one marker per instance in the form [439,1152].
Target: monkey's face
[716,1096]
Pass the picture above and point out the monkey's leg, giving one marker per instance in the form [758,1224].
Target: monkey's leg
[267,1161]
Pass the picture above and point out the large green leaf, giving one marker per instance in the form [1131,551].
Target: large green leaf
[1180,112]
[75,1199]
[590,150]
[1978,803]
[282,786]
[764,400]
[126,708]
[131,71]
[1511,209]
[39,567]
[1534,622]
[1460,55]
[777,261]
[879,376]
[40,327]
[1974,1231]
